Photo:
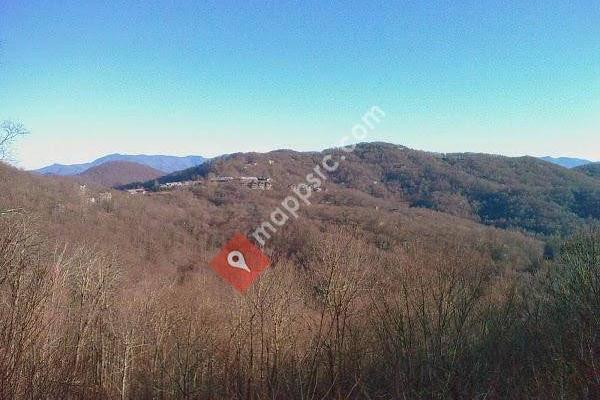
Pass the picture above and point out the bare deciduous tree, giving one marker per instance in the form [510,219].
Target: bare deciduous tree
[9,132]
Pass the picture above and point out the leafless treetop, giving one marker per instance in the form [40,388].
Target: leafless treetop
[9,132]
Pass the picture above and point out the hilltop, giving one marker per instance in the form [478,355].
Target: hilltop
[115,173]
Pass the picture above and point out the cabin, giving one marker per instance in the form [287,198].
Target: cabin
[136,191]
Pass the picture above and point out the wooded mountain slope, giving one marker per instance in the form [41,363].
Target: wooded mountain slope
[592,169]
[117,173]
[362,300]
[366,294]
[182,229]
[522,193]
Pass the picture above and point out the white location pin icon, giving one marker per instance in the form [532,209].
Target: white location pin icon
[235,259]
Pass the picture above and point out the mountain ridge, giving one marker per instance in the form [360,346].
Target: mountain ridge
[163,163]
[567,162]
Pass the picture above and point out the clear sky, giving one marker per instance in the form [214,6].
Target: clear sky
[217,77]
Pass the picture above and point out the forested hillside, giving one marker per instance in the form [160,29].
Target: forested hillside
[114,299]
[117,173]
[592,170]
[521,193]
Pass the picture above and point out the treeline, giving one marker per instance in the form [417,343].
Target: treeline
[342,324]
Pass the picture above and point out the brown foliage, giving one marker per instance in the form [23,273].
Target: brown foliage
[361,302]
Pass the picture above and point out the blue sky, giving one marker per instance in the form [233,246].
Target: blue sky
[218,77]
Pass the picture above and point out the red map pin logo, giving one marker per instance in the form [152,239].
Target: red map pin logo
[240,262]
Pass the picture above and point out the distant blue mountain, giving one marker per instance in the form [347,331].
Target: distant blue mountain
[566,161]
[166,164]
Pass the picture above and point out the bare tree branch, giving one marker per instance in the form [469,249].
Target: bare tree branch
[9,132]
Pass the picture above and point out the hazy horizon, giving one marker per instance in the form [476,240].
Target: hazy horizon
[83,161]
